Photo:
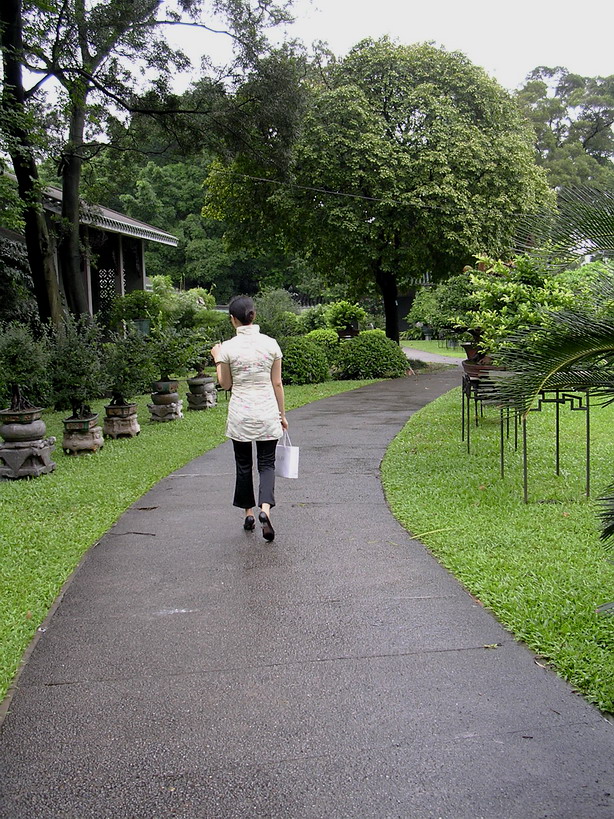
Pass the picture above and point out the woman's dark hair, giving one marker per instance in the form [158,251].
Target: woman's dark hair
[242,308]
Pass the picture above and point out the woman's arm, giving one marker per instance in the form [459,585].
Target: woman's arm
[278,389]
[222,369]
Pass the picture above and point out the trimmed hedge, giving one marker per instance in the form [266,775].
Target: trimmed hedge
[328,341]
[304,361]
[371,355]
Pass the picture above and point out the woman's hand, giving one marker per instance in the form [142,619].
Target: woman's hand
[215,351]
[284,422]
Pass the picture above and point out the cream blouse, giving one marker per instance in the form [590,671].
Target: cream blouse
[253,414]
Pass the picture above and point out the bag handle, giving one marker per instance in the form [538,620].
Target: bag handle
[285,439]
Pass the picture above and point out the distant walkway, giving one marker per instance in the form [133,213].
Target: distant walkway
[194,671]
[434,358]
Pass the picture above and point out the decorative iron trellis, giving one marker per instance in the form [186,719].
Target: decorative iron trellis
[478,390]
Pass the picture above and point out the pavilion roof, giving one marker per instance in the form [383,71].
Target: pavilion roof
[110,220]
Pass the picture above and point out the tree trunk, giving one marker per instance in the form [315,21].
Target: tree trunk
[70,245]
[387,284]
[40,251]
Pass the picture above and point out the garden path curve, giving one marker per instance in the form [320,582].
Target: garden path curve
[192,670]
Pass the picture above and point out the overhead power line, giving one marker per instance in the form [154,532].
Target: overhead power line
[309,188]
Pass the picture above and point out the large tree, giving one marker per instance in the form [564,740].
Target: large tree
[19,139]
[573,118]
[408,159]
[94,56]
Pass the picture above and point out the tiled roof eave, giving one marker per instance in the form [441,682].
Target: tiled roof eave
[126,229]
[102,218]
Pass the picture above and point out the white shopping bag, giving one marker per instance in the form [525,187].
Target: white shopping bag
[286,458]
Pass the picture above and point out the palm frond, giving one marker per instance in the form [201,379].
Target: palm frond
[582,225]
[606,516]
[575,353]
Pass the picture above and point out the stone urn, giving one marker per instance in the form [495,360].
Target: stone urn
[202,393]
[82,435]
[165,402]
[121,421]
[25,453]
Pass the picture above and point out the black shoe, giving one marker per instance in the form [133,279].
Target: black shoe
[249,524]
[268,533]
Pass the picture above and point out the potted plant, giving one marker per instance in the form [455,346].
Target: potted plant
[139,308]
[202,392]
[128,372]
[77,377]
[345,317]
[170,352]
[23,374]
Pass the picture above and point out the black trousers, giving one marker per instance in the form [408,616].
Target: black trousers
[244,486]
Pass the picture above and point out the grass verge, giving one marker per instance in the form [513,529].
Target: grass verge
[434,347]
[539,567]
[46,524]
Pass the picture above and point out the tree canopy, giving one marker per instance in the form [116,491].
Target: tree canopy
[573,118]
[92,63]
[408,159]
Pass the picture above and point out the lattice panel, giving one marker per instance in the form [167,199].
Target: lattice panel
[108,292]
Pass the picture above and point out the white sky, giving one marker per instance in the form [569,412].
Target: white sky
[508,39]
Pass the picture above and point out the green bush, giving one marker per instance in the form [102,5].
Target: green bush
[277,313]
[171,352]
[314,318]
[24,372]
[371,355]
[215,323]
[343,314]
[183,309]
[328,341]
[77,375]
[134,306]
[128,367]
[304,361]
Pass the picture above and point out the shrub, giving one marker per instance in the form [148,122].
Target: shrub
[447,308]
[304,361]
[77,375]
[343,314]
[183,309]
[135,306]
[425,310]
[371,355]
[128,368]
[328,341]
[170,352]
[214,325]
[314,318]
[24,375]
[277,313]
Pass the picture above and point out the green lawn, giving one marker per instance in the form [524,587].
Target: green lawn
[46,524]
[434,347]
[540,567]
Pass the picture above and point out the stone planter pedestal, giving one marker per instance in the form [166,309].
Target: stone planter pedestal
[82,435]
[26,459]
[121,421]
[166,412]
[121,427]
[25,453]
[202,393]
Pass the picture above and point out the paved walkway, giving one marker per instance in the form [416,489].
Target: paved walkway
[433,358]
[191,670]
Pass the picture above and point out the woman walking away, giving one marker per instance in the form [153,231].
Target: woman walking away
[250,364]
